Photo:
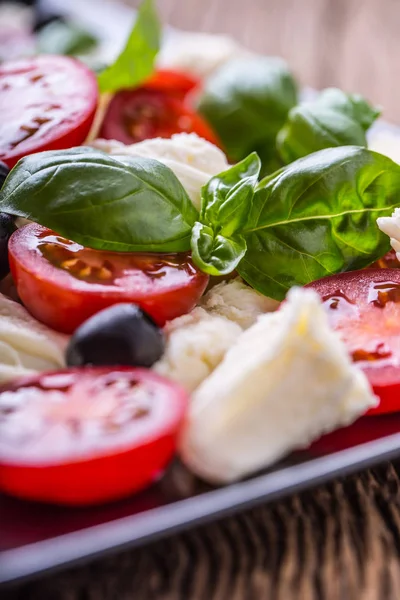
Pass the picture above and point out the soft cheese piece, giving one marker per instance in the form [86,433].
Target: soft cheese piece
[200,54]
[193,160]
[237,302]
[287,380]
[385,142]
[196,344]
[26,346]
[391,226]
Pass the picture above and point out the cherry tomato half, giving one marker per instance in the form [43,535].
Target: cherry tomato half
[173,83]
[136,115]
[87,436]
[364,307]
[46,103]
[62,283]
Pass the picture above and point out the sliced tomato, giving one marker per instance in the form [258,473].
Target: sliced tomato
[389,261]
[87,436]
[136,115]
[62,283]
[364,307]
[172,82]
[46,103]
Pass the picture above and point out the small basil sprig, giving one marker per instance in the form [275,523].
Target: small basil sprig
[217,246]
[317,217]
[332,119]
[136,61]
[102,202]
[246,102]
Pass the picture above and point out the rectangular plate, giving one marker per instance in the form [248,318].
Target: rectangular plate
[35,538]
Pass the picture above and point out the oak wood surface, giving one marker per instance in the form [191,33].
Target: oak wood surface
[340,541]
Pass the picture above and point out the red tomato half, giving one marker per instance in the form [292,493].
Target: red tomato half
[62,283]
[364,307]
[87,436]
[171,82]
[136,115]
[46,103]
[389,261]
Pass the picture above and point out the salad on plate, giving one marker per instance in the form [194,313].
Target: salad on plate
[195,262]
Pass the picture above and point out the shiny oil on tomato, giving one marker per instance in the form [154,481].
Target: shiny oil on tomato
[364,308]
[87,436]
[46,103]
[63,283]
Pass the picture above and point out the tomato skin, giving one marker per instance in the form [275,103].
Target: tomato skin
[366,322]
[63,302]
[53,97]
[100,477]
[175,83]
[136,115]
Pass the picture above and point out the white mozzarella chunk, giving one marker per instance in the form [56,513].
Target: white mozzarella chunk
[237,302]
[26,346]
[391,226]
[196,344]
[287,380]
[193,159]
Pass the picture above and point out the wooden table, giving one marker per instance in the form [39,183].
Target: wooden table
[340,541]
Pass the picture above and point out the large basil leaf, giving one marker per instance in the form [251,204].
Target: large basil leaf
[136,61]
[217,246]
[100,201]
[247,101]
[333,119]
[317,217]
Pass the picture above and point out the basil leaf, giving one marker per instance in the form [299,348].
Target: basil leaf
[136,61]
[226,198]
[216,254]
[101,202]
[333,119]
[317,217]
[58,37]
[247,101]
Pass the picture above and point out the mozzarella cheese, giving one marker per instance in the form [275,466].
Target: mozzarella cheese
[287,380]
[26,346]
[237,302]
[391,226]
[193,160]
[385,142]
[200,54]
[195,344]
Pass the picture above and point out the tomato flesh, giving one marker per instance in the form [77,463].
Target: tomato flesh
[389,261]
[63,283]
[87,436]
[46,103]
[364,307]
[172,82]
[136,115]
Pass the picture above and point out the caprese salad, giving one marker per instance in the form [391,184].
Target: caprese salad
[193,262]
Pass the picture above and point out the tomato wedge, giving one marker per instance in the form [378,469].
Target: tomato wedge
[63,283]
[46,103]
[87,436]
[364,307]
[172,82]
[136,115]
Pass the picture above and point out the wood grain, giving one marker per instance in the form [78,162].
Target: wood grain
[353,44]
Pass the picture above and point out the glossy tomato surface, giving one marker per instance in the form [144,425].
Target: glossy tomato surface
[87,436]
[46,103]
[175,83]
[136,115]
[364,307]
[62,283]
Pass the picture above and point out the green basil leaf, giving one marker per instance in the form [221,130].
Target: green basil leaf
[136,61]
[317,217]
[58,37]
[226,198]
[247,101]
[333,119]
[102,202]
[216,254]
